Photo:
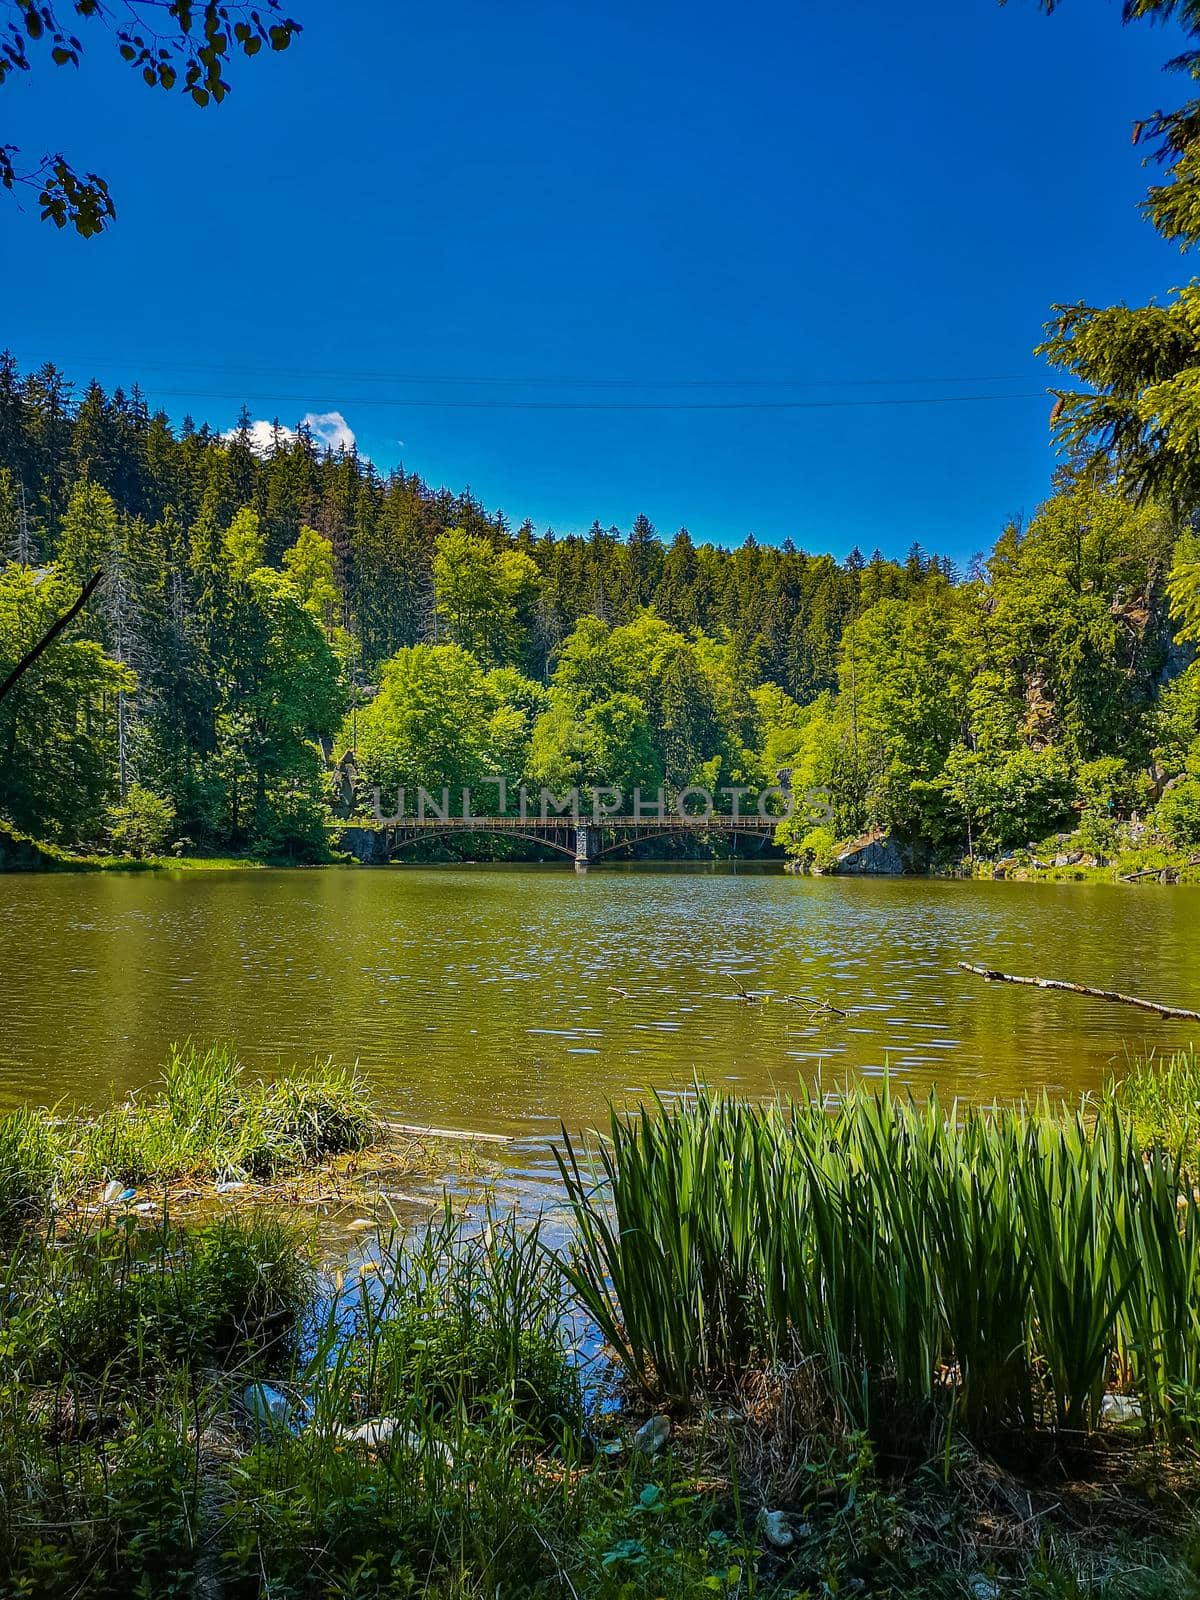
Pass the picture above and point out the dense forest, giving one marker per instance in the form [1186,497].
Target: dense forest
[262,611]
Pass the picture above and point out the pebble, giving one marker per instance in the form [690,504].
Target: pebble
[775,1530]
[981,1587]
[652,1435]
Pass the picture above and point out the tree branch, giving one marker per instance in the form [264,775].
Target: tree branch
[51,634]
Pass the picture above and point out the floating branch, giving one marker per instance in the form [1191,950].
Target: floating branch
[419,1131]
[745,994]
[991,976]
[815,1008]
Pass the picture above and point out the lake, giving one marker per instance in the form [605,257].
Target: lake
[483,996]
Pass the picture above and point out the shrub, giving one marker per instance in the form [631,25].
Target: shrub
[1108,787]
[142,824]
[815,848]
[1177,815]
[134,1301]
[107,1517]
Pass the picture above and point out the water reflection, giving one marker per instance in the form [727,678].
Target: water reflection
[507,999]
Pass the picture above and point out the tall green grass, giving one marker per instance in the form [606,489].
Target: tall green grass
[470,1320]
[206,1119]
[1007,1266]
[124,1302]
[1160,1099]
[27,1169]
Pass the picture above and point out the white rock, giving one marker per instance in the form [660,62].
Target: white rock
[376,1433]
[774,1528]
[1120,1408]
[981,1587]
[652,1435]
[381,1433]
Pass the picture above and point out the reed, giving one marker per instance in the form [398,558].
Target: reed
[468,1320]
[1005,1267]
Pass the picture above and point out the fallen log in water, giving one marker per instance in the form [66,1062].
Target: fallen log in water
[420,1131]
[990,975]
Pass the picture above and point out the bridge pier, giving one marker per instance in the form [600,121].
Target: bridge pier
[583,848]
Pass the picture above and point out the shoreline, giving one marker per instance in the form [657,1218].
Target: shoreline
[20,853]
[191,1396]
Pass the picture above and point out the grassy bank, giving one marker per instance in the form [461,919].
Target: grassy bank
[1066,864]
[19,852]
[887,1351]
[205,1126]
[184,1413]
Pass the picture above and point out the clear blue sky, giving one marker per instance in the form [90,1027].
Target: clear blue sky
[626,194]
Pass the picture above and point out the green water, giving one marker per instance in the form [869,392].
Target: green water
[480,996]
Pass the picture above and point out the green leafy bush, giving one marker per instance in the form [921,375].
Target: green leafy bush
[1177,815]
[142,824]
[129,1300]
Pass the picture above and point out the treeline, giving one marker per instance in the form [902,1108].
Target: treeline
[264,611]
[788,605]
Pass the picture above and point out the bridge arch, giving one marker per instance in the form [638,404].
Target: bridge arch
[714,824]
[396,845]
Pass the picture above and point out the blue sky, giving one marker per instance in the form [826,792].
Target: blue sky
[652,203]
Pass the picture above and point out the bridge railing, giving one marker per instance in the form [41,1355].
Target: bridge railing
[569,824]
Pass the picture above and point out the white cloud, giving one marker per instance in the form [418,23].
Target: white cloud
[331,428]
[328,428]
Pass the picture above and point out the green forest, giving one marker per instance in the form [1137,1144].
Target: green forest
[261,613]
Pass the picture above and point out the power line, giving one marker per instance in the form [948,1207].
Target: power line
[601,405]
[542,381]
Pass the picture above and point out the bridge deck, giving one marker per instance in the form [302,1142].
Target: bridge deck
[568,824]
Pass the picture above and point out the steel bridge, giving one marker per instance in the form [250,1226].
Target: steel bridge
[581,840]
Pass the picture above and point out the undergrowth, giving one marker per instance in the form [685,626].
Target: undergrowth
[204,1120]
[851,1321]
[1160,1099]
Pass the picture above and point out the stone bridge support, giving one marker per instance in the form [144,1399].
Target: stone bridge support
[584,844]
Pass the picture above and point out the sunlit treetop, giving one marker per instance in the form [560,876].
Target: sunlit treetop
[1140,409]
[173,45]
